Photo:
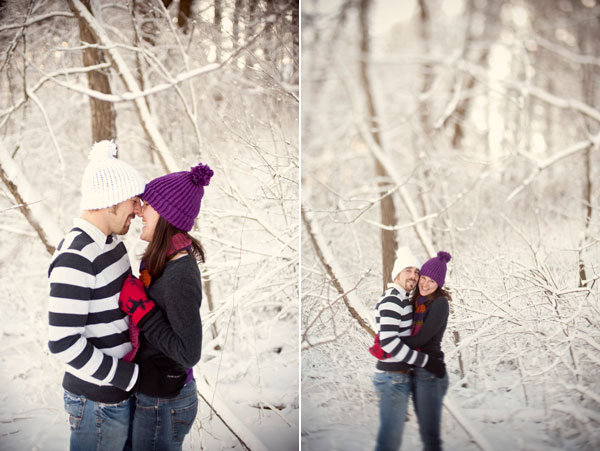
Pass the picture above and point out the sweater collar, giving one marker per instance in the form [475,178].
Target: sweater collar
[402,291]
[94,232]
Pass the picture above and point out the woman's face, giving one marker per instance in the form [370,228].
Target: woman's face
[427,285]
[149,221]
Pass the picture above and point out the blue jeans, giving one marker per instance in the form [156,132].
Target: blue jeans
[428,393]
[393,390]
[163,423]
[95,425]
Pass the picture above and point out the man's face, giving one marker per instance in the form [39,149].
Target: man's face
[120,216]
[408,278]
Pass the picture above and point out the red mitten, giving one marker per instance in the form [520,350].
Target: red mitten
[134,336]
[377,351]
[133,300]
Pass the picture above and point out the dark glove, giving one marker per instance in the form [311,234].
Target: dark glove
[133,300]
[436,366]
[377,351]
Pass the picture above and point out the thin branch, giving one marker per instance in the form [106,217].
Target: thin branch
[545,164]
[36,19]
[355,307]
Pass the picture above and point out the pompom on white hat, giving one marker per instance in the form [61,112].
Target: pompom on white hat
[404,259]
[107,180]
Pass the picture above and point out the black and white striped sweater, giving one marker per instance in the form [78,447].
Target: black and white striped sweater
[394,319]
[87,330]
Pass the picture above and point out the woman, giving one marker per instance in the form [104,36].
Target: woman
[430,317]
[164,309]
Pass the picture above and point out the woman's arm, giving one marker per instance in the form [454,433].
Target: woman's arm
[177,331]
[438,313]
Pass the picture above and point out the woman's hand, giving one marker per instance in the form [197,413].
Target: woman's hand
[436,366]
[133,300]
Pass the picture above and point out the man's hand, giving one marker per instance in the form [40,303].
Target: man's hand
[133,299]
[436,366]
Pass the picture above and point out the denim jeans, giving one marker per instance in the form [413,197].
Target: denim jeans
[163,423]
[393,390]
[428,393]
[95,425]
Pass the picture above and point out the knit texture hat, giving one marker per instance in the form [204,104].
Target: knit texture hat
[107,181]
[435,268]
[404,259]
[177,196]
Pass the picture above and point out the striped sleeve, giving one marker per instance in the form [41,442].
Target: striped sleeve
[394,318]
[72,279]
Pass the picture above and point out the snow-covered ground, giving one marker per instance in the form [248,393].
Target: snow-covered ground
[340,412]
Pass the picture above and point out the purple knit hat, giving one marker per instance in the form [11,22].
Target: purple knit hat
[435,268]
[177,196]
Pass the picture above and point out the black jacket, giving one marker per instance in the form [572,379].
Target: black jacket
[171,336]
[429,338]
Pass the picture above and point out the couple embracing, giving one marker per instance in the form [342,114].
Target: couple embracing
[408,349]
[129,344]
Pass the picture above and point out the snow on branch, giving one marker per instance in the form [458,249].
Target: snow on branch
[312,343]
[545,164]
[37,213]
[129,81]
[455,61]
[528,89]
[235,425]
[67,71]
[334,270]
[137,94]
[469,428]
[36,19]
[565,53]
[386,162]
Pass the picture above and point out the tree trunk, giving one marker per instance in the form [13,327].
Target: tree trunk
[267,48]
[237,15]
[251,21]
[146,120]
[184,13]
[218,28]
[295,32]
[588,91]
[462,109]
[354,305]
[103,113]
[29,201]
[388,210]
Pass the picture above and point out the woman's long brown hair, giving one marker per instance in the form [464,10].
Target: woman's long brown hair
[430,297]
[155,257]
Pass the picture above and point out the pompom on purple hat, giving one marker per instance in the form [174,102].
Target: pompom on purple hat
[435,268]
[177,196]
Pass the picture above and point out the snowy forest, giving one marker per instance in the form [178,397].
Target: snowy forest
[473,127]
[173,83]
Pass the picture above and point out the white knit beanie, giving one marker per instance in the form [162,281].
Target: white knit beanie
[108,181]
[404,259]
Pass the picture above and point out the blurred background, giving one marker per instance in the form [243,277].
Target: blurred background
[173,83]
[469,126]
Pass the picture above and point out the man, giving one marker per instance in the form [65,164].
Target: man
[87,330]
[392,378]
